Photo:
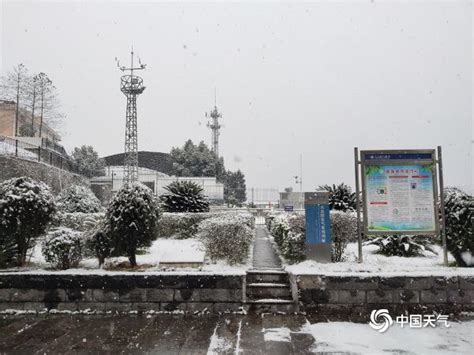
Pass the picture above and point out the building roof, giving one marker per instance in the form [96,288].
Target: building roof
[158,161]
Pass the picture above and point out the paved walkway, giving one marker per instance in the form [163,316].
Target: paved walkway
[154,334]
[264,256]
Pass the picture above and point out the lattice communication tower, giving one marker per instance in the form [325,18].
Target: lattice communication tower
[131,85]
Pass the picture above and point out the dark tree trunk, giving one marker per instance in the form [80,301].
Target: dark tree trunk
[132,258]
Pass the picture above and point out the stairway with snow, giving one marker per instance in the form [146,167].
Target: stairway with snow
[268,288]
[269,291]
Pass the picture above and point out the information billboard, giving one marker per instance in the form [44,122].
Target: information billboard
[399,192]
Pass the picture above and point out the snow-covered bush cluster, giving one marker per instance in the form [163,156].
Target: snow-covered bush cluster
[132,219]
[288,231]
[343,231]
[99,243]
[78,221]
[227,237]
[186,225]
[180,225]
[459,211]
[184,196]
[63,248]
[26,208]
[77,198]
[402,245]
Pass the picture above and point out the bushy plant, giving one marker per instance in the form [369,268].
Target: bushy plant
[77,198]
[26,208]
[62,248]
[132,219]
[100,244]
[78,221]
[288,231]
[402,245]
[226,237]
[184,196]
[459,212]
[180,225]
[343,230]
[341,197]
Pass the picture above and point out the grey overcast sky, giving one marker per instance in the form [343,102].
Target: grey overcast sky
[315,79]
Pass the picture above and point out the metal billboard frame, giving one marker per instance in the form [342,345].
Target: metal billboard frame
[417,156]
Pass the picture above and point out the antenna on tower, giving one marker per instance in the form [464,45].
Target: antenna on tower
[131,85]
[214,125]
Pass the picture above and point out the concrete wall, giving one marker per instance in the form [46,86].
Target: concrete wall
[320,293]
[121,293]
[56,178]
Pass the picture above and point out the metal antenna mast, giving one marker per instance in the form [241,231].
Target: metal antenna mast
[215,126]
[131,85]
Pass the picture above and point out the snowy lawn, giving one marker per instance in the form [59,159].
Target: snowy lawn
[357,338]
[377,264]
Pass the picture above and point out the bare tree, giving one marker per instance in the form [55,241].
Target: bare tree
[14,87]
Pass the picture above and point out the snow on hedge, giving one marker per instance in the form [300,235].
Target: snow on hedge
[78,198]
[78,221]
[227,237]
[26,208]
[62,248]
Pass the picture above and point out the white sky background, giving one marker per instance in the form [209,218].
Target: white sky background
[316,79]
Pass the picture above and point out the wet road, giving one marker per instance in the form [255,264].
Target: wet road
[160,334]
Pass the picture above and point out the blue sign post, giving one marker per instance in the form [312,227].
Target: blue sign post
[318,226]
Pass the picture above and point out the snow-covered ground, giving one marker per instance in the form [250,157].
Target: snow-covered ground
[354,338]
[377,264]
[184,251]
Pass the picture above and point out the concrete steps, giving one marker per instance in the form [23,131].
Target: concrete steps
[269,291]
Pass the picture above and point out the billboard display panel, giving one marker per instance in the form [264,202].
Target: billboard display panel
[399,193]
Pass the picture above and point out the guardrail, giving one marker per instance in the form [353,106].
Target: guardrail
[19,149]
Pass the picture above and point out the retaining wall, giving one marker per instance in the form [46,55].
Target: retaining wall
[56,178]
[322,293]
[121,293]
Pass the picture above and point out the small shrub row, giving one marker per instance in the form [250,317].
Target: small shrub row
[288,231]
[227,237]
[78,221]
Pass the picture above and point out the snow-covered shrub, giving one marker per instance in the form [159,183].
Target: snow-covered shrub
[77,221]
[62,248]
[402,245]
[100,244]
[180,225]
[184,196]
[269,217]
[77,198]
[226,237]
[279,228]
[288,231]
[132,218]
[459,211]
[343,230]
[26,208]
[341,197]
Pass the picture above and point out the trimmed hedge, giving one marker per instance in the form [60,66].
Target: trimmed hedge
[227,237]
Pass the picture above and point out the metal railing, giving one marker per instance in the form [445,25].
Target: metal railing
[44,153]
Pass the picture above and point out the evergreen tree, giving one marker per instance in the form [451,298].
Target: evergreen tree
[132,218]
[234,188]
[197,160]
[88,161]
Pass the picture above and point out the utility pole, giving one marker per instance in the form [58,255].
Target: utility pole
[215,126]
[131,85]
[299,179]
